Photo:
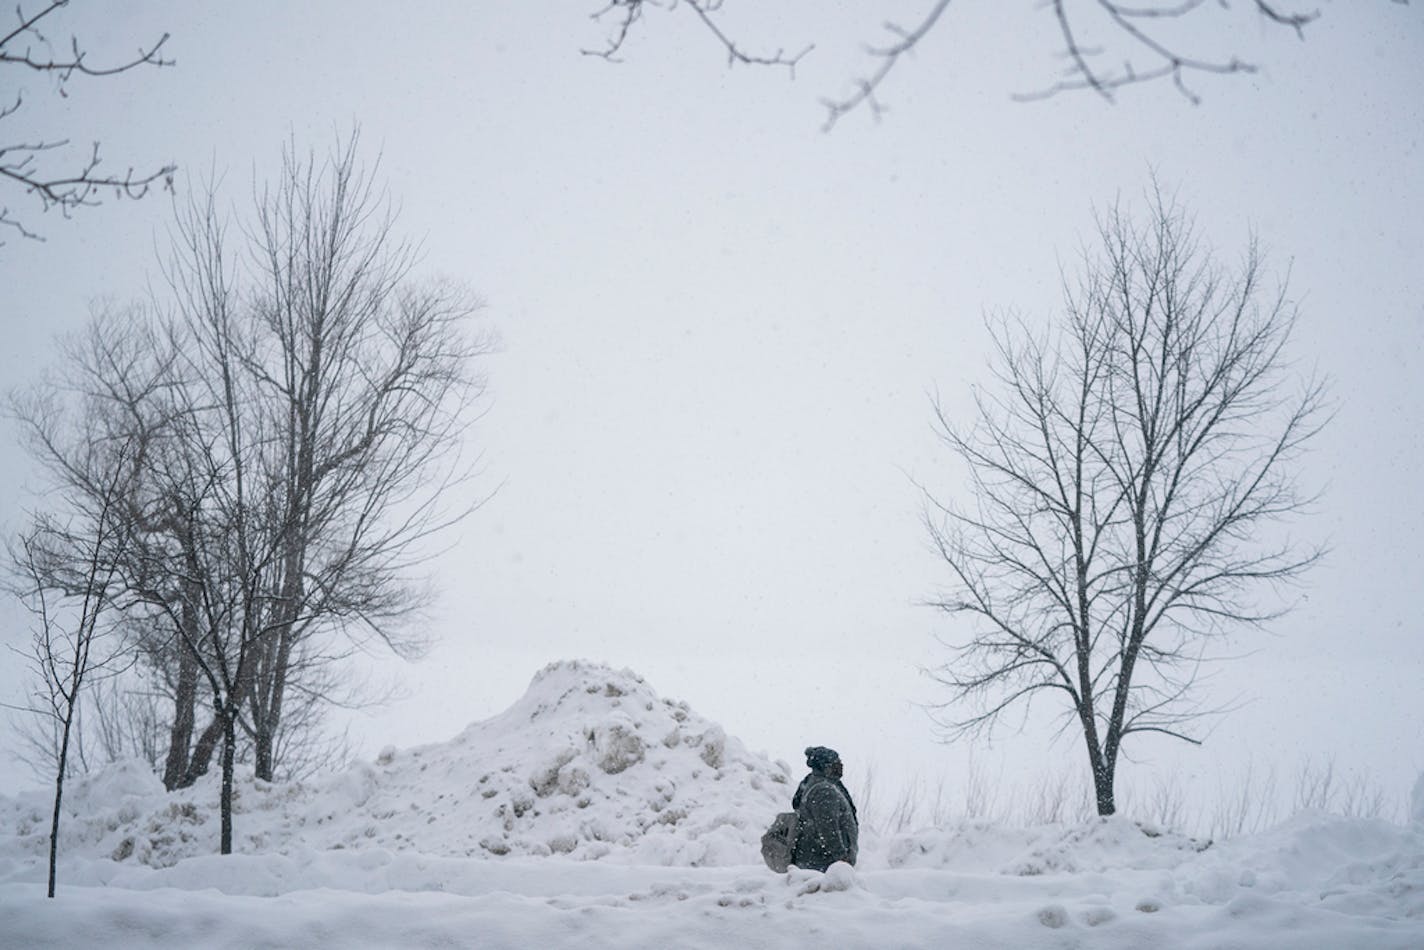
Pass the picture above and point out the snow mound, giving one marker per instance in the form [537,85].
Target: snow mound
[589,763]
[1360,866]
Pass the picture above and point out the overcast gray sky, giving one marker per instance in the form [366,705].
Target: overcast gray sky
[720,329]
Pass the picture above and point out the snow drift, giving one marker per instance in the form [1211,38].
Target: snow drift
[595,813]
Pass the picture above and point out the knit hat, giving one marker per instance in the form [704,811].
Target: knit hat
[819,758]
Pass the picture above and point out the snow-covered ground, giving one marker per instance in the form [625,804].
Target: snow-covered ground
[595,813]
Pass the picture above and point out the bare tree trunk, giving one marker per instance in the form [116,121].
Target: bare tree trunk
[203,752]
[58,800]
[227,716]
[1097,762]
[1103,774]
[180,735]
[258,703]
[265,739]
[267,713]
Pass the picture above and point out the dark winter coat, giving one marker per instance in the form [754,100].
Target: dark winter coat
[826,827]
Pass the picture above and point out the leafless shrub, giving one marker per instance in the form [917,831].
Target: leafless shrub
[1362,798]
[1320,786]
[1167,804]
[978,794]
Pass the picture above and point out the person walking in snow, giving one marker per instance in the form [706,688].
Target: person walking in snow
[827,826]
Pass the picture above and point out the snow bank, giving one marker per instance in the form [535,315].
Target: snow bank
[594,813]
[1361,866]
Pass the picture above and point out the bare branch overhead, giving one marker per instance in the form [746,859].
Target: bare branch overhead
[1107,45]
[41,168]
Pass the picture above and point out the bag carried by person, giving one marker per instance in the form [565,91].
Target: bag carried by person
[777,842]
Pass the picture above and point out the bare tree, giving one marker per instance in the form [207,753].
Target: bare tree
[1106,44]
[65,569]
[116,382]
[187,579]
[1125,471]
[202,566]
[364,378]
[30,164]
[330,396]
[302,448]
[68,644]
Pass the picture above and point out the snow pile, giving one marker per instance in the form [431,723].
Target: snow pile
[590,763]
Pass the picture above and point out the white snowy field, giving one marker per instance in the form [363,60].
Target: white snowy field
[594,813]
